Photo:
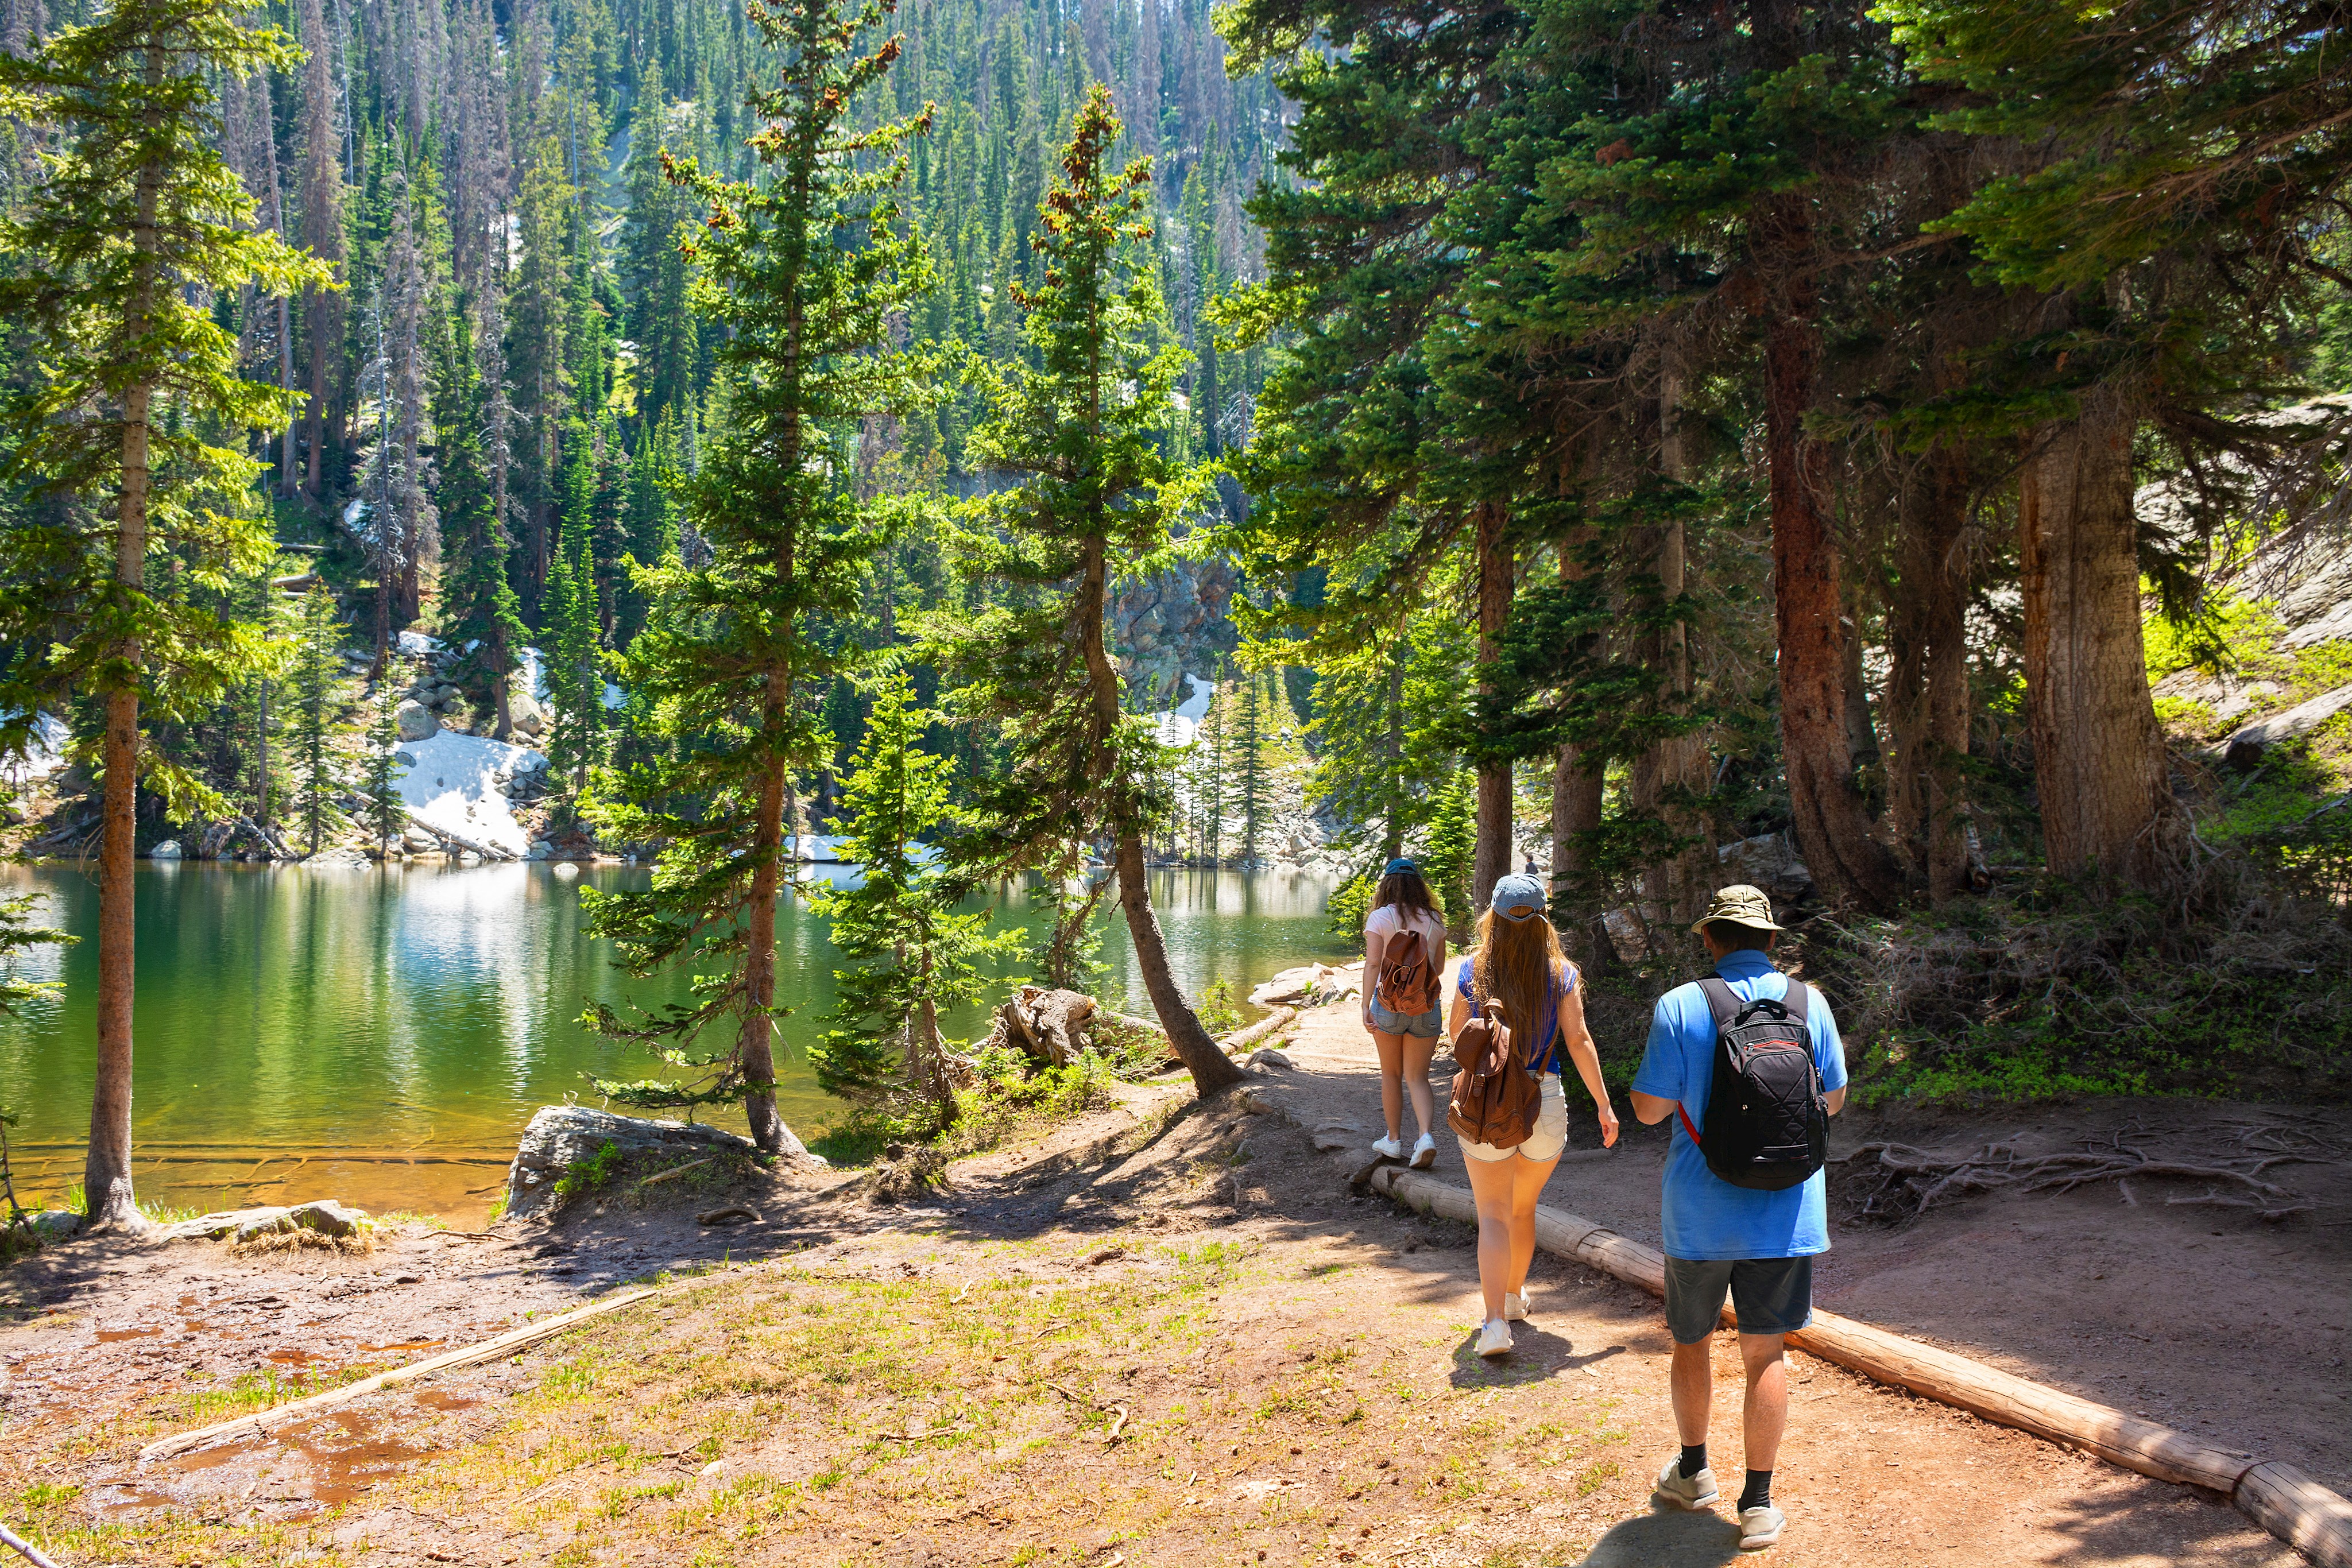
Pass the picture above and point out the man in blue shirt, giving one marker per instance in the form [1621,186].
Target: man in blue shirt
[1757,1245]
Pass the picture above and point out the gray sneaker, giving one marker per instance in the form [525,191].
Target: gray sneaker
[1760,1527]
[1687,1491]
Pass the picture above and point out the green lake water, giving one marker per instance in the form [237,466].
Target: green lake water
[382,1034]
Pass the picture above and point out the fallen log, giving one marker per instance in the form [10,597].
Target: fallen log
[2275,1495]
[23,1548]
[1280,1018]
[258,1423]
[459,840]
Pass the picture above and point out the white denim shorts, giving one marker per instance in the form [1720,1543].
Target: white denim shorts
[1545,1143]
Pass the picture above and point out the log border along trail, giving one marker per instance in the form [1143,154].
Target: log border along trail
[2274,1493]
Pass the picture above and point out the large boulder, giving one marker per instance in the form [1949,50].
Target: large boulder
[169,850]
[414,721]
[561,1136]
[524,712]
[2245,748]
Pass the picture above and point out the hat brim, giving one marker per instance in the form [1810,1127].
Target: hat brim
[1699,926]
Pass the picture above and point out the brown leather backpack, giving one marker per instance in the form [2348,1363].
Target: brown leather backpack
[1408,979]
[1496,1099]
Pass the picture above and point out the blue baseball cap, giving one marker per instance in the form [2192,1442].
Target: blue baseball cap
[1517,897]
[1400,867]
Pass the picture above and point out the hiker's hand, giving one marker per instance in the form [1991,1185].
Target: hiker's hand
[1608,1126]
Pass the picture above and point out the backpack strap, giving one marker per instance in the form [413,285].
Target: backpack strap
[1794,1000]
[1722,1000]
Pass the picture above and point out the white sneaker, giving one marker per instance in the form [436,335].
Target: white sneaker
[1388,1148]
[1687,1491]
[1515,1306]
[1424,1153]
[1494,1339]
[1760,1527]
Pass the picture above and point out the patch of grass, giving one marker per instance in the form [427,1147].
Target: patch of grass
[591,1175]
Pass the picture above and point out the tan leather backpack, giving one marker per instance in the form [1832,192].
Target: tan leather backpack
[1496,1099]
[1408,979]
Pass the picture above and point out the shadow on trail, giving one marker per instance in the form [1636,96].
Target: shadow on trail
[1666,1540]
[1534,1357]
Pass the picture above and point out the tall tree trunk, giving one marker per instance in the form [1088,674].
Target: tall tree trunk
[1671,775]
[1576,810]
[754,1048]
[2099,764]
[1393,817]
[1211,1068]
[1492,858]
[1927,701]
[1832,824]
[499,678]
[106,1169]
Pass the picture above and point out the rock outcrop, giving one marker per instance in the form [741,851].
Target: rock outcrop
[414,721]
[561,1136]
[327,1217]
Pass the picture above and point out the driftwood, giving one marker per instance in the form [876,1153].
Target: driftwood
[459,842]
[1273,1023]
[2275,1494]
[23,1548]
[258,1422]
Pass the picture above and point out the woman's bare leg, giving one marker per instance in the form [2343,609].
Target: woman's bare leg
[1527,1179]
[1417,1053]
[1391,1047]
[1492,1185]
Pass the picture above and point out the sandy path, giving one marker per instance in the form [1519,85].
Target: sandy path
[2205,1319]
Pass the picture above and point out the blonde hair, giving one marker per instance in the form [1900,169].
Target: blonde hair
[1519,962]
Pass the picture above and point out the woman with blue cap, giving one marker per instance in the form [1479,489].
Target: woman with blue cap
[1519,963]
[1404,950]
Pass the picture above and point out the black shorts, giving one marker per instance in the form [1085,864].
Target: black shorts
[1772,1295]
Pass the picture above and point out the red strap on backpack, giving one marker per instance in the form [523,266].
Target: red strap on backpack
[1687,1122]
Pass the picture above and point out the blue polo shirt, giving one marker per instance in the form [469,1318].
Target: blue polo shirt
[1705,1218]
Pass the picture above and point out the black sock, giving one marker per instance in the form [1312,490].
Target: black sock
[1758,1494]
[1694,1459]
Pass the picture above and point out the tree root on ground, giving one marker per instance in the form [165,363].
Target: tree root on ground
[1910,1181]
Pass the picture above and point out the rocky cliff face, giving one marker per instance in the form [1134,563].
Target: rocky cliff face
[1177,622]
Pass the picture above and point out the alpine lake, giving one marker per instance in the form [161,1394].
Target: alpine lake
[382,1034]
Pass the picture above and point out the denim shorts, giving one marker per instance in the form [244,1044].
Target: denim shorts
[1772,1295]
[1424,1026]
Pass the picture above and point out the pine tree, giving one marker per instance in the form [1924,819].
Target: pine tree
[382,775]
[575,672]
[806,268]
[1081,419]
[1446,861]
[478,599]
[137,218]
[314,722]
[910,954]
[1249,759]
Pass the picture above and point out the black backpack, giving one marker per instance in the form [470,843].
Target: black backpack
[1768,1125]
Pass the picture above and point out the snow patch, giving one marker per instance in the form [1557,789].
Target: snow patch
[534,673]
[453,782]
[1179,726]
[45,751]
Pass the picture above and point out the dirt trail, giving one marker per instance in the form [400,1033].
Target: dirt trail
[1166,1334]
[2204,1317]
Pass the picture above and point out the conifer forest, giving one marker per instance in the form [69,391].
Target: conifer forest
[1898,455]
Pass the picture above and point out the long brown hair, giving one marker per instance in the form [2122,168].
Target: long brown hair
[1406,890]
[1519,964]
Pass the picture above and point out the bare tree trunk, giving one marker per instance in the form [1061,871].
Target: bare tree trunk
[1832,824]
[1670,776]
[1927,701]
[754,1052]
[106,1169]
[1493,858]
[1211,1068]
[2099,764]
[1392,823]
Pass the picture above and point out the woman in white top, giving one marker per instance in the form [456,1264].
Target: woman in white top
[1518,962]
[1402,904]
